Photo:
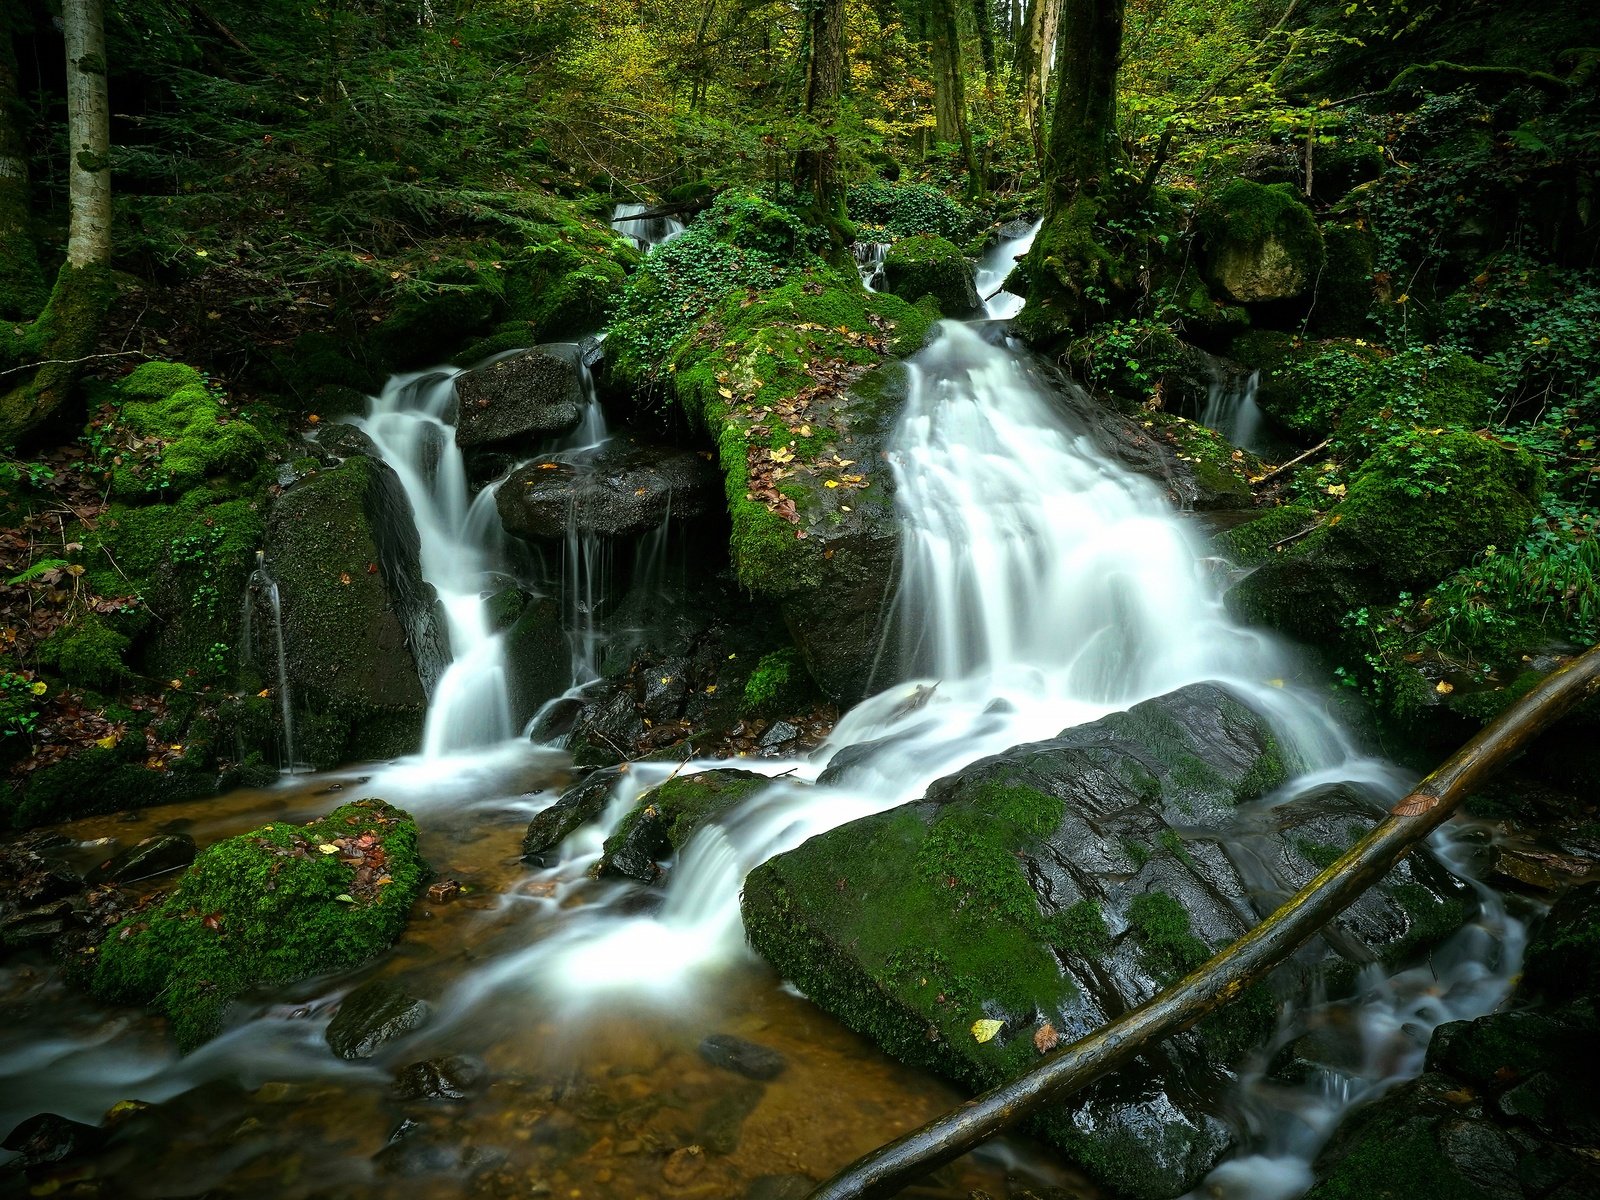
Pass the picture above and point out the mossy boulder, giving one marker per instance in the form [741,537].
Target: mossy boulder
[1505,1108]
[928,265]
[186,435]
[624,490]
[1058,884]
[521,398]
[667,816]
[363,643]
[1423,505]
[1261,243]
[538,654]
[1269,534]
[267,907]
[1346,291]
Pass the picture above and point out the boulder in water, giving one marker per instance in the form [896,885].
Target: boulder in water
[750,1059]
[371,1016]
[522,397]
[577,807]
[452,1077]
[1058,884]
[153,856]
[928,265]
[362,638]
[667,816]
[50,1138]
[266,907]
[623,491]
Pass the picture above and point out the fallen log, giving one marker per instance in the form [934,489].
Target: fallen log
[884,1171]
[677,208]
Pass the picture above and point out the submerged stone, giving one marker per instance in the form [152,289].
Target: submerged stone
[266,907]
[750,1059]
[452,1077]
[50,1138]
[1058,884]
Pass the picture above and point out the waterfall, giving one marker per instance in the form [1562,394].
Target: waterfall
[262,584]
[993,269]
[462,555]
[1232,411]
[647,234]
[869,261]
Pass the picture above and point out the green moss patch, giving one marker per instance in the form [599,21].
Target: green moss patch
[267,907]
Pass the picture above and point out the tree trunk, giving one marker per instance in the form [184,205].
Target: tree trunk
[949,89]
[983,19]
[1035,48]
[817,167]
[22,287]
[68,328]
[885,1171]
[88,134]
[1083,149]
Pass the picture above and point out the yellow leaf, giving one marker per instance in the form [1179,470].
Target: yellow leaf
[831,483]
[40,688]
[1277,683]
[1444,687]
[176,683]
[328,848]
[985,1030]
[1336,489]
[109,742]
[200,253]
[725,393]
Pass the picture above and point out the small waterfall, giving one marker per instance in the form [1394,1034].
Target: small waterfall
[263,585]
[869,261]
[1232,411]
[647,234]
[462,552]
[993,269]
[586,582]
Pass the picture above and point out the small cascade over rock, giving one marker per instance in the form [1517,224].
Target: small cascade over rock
[1232,411]
[648,233]
[869,258]
[1016,239]
[262,643]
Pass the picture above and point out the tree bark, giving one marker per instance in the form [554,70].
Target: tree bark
[1035,48]
[983,20]
[1083,149]
[817,167]
[1209,987]
[88,134]
[949,89]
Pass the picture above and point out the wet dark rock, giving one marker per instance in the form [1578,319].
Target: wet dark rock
[35,926]
[1066,881]
[720,1128]
[779,733]
[624,490]
[750,1059]
[416,1148]
[577,807]
[524,397]
[337,441]
[373,1015]
[48,1138]
[153,856]
[453,1077]
[362,637]
[1506,1106]
[668,816]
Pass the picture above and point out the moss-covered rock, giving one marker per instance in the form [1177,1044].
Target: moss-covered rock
[267,907]
[1345,290]
[1049,888]
[187,434]
[1424,504]
[667,816]
[1261,242]
[1505,1108]
[1210,472]
[1269,534]
[362,639]
[927,265]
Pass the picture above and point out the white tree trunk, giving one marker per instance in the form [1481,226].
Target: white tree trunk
[88,133]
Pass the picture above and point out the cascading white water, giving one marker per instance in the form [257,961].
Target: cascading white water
[264,585]
[461,553]
[993,269]
[1231,410]
[869,258]
[647,234]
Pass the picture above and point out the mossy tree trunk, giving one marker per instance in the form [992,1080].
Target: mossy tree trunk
[66,331]
[817,167]
[1034,45]
[22,287]
[949,90]
[1073,275]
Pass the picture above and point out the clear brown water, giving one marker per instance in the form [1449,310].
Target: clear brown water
[587,1100]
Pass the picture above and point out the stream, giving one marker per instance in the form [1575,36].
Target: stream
[1043,586]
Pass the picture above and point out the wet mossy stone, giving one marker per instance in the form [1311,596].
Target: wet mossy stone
[1424,504]
[267,907]
[522,398]
[173,409]
[928,265]
[1261,242]
[361,634]
[626,489]
[1260,539]
[373,1015]
[538,657]
[1062,883]
[576,807]
[1505,1108]
[1345,289]
[667,816]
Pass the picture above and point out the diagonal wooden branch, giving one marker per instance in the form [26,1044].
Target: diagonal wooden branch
[889,1168]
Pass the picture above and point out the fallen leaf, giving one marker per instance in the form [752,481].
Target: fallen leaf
[986,1029]
[1444,687]
[1045,1038]
[345,898]
[328,848]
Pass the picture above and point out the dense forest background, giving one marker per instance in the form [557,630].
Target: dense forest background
[307,197]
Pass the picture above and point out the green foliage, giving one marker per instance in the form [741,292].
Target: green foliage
[87,652]
[908,209]
[266,907]
[779,682]
[19,703]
